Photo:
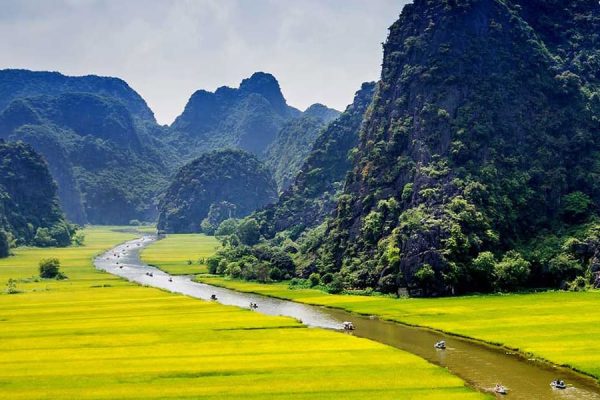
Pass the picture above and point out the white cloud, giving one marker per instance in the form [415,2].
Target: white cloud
[319,50]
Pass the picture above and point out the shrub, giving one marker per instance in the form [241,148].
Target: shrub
[248,232]
[206,227]
[576,206]
[227,227]
[482,270]
[50,269]
[512,272]
[43,238]
[327,278]
[78,238]
[314,279]
[562,268]
[135,222]
[212,263]
[579,284]
[11,286]
[336,285]
[425,276]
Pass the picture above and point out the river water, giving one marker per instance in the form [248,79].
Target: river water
[480,365]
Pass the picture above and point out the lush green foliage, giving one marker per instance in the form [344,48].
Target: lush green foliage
[216,186]
[98,137]
[312,195]
[101,337]
[286,155]
[481,136]
[50,268]
[29,210]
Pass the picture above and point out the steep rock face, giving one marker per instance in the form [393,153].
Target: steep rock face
[476,134]
[311,197]
[248,117]
[28,199]
[286,154]
[16,84]
[232,183]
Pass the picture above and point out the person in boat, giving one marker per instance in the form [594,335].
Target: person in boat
[213,296]
[170,279]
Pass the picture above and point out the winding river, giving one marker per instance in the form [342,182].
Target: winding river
[480,365]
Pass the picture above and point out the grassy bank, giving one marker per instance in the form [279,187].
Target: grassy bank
[95,336]
[181,254]
[561,327]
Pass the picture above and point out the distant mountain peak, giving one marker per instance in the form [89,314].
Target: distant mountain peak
[267,86]
[321,111]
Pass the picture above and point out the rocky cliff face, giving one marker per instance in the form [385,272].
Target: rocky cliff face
[311,196]
[226,183]
[484,120]
[293,143]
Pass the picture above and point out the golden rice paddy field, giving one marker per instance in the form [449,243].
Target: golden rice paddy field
[95,336]
[562,327]
[182,254]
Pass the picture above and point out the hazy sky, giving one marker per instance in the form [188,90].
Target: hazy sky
[319,50]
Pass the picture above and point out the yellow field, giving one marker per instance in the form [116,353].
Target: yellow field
[562,327]
[174,253]
[95,336]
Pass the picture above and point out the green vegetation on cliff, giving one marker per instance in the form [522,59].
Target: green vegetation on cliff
[247,117]
[216,186]
[477,164]
[98,136]
[293,143]
[29,210]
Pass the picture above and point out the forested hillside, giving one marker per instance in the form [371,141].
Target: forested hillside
[477,165]
[216,186]
[106,163]
[248,117]
[288,151]
[29,209]
[311,197]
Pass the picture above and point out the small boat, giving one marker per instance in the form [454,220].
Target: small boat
[558,384]
[213,296]
[170,279]
[348,326]
[440,345]
[500,389]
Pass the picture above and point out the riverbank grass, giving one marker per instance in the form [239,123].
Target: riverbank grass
[95,336]
[181,254]
[561,327]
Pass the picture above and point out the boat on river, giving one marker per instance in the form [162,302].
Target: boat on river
[558,384]
[500,389]
[348,326]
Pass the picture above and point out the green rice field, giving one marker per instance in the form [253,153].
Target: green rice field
[181,254]
[562,327]
[95,336]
